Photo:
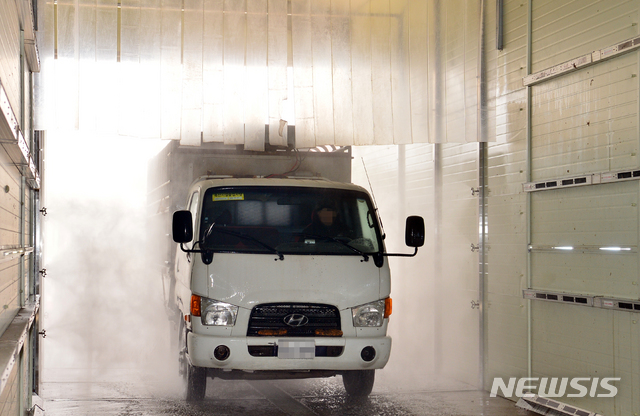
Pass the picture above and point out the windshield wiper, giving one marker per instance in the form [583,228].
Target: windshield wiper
[212,228]
[335,240]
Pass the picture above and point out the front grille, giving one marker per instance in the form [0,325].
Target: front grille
[308,320]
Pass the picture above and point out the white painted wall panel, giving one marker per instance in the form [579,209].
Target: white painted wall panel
[27,125]
[586,121]
[435,331]
[9,289]
[602,215]
[627,355]
[444,329]
[574,341]
[505,311]
[412,284]
[510,67]
[567,29]
[506,353]
[9,238]
[595,274]
[14,394]
[9,400]
[459,279]
[512,60]
[9,207]
[10,53]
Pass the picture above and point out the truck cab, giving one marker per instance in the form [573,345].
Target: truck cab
[282,278]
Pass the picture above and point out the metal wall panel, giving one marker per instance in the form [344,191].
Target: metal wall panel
[592,217]
[27,125]
[10,53]
[9,399]
[586,121]
[504,309]
[9,289]
[512,60]
[436,329]
[566,29]
[505,312]
[9,238]
[402,181]
[9,206]
[15,267]
[458,281]
[575,341]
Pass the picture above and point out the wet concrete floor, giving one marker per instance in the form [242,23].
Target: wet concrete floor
[324,397]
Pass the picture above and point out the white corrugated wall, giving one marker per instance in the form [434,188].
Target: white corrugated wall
[505,309]
[18,302]
[581,123]
[434,327]
[586,122]
[10,53]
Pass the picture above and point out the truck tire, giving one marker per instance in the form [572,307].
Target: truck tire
[358,383]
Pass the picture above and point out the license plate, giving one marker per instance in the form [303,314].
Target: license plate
[296,349]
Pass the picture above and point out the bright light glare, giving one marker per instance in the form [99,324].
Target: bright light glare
[615,248]
[563,248]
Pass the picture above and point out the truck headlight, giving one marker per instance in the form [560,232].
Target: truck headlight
[370,314]
[218,313]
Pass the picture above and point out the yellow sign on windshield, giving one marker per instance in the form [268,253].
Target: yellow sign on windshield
[228,197]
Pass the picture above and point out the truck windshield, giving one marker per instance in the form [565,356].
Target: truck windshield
[294,220]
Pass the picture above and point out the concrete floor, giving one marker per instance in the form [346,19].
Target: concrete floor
[139,395]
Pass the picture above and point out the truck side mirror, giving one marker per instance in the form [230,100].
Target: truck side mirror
[182,227]
[414,231]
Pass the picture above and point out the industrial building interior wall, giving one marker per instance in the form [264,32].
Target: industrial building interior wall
[587,122]
[9,399]
[10,54]
[216,71]
[505,317]
[457,249]
[95,244]
[9,238]
[16,280]
[17,271]
[434,327]
[580,123]
[436,296]
[401,180]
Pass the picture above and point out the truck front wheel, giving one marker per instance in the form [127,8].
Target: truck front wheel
[358,383]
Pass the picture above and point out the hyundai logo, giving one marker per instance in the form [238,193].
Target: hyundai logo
[296,319]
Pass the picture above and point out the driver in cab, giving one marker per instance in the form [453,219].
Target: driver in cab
[325,221]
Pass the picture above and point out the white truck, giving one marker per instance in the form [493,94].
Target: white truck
[278,271]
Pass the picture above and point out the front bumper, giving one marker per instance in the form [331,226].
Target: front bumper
[201,347]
